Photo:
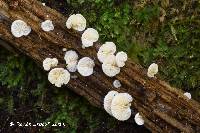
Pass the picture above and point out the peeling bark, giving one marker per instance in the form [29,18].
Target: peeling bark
[164,108]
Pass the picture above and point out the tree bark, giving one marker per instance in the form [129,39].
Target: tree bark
[164,108]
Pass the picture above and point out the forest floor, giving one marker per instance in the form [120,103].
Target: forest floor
[165,32]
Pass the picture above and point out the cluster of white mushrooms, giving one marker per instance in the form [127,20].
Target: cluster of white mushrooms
[116,104]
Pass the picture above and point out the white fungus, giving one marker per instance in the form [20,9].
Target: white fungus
[120,106]
[85,66]
[59,76]
[110,67]
[89,36]
[70,56]
[138,119]
[107,49]
[19,28]
[76,22]
[47,25]
[188,95]
[116,84]
[72,67]
[64,49]
[108,100]
[71,59]
[121,58]
[152,70]
[49,62]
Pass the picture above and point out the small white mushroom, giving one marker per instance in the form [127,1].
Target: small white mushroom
[72,66]
[48,63]
[89,36]
[120,106]
[19,28]
[138,119]
[64,49]
[188,95]
[108,100]
[59,76]
[110,67]
[76,22]
[116,84]
[43,4]
[107,49]
[85,66]
[71,59]
[121,58]
[152,70]
[70,56]
[47,25]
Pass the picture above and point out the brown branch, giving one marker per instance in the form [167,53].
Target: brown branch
[164,108]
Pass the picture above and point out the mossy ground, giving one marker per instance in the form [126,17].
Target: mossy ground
[164,32]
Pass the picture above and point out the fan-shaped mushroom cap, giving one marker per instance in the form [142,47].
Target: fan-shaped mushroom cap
[49,62]
[71,59]
[72,66]
[107,49]
[152,70]
[89,36]
[59,76]
[47,25]
[19,28]
[70,56]
[138,119]
[188,95]
[108,99]
[76,22]
[120,106]
[121,58]
[110,67]
[85,66]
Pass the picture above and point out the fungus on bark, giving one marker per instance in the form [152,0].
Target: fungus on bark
[85,66]
[47,25]
[138,119]
[108,100]
[121,58]
[89,36]
[152,70]
[76,22]
[117,84]
[110,67]
[188,95]
[71,59]
[19,28]
[59,77]
[48,63]
[120,106]
[107,49]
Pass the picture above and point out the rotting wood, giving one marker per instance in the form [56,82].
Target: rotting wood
[164,108]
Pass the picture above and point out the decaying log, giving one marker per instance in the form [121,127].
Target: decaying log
[164,108]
